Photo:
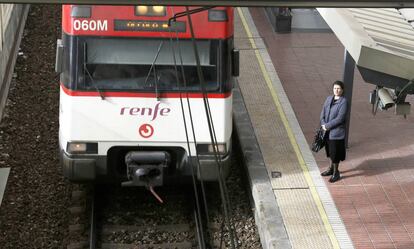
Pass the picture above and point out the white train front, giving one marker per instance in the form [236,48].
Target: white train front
[132,107]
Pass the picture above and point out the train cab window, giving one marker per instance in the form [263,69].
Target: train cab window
[140,65]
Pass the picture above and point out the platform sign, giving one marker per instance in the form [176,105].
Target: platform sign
[251,3]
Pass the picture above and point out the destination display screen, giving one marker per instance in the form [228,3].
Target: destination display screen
[148,25]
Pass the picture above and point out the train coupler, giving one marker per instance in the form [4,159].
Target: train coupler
[146,168]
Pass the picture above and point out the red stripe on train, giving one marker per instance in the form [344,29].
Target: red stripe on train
[143,95]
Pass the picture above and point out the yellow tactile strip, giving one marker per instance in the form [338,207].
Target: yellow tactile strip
[304,226]
[277,152]
[279,155]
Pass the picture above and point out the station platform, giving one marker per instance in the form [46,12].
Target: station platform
[284,81]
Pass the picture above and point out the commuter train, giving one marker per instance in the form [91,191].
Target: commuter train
[132,105]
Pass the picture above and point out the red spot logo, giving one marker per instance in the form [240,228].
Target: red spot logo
[146,130]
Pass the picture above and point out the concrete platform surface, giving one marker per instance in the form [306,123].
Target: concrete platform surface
[303,209]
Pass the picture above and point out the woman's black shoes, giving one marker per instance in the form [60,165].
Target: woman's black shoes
[333,172]
[335,176]
[328,172]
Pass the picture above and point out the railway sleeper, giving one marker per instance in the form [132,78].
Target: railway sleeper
[78,195]
[178,245]
[77,210]
[78,245]
[108,229]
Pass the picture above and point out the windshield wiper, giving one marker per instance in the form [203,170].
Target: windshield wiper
[85,69]
[155,74]
[93,83]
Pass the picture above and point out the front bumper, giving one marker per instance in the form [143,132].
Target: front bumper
[92,168]
[209,170]
[82,168]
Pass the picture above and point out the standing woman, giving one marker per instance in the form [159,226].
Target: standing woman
[333,118]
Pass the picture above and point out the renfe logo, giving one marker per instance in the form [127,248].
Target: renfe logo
[146,130]
[146,111]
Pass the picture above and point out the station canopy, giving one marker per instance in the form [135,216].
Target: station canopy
[380,40]
[241,3]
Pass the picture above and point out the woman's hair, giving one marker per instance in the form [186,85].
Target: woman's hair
[339,83]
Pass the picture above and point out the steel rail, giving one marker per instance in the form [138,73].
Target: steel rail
[240,3]
[199,229]
[92,231]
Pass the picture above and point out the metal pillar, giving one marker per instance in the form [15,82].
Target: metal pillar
[348,79]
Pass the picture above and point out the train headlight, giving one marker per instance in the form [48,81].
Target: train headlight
[141,10]
[217,16]
[158,9]
[80,11]
[82,148]
[150,10]
[209,149]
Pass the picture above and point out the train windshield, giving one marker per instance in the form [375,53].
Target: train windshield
[141,65]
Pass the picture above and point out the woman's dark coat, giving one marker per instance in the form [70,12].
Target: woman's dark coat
[334,118]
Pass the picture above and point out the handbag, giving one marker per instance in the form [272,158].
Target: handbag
[319,140]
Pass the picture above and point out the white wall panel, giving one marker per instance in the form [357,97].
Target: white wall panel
[6,10]
[5,13]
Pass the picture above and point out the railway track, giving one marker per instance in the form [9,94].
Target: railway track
[131,218]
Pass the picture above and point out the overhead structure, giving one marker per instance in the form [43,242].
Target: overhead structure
[381,42]
[257,3]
